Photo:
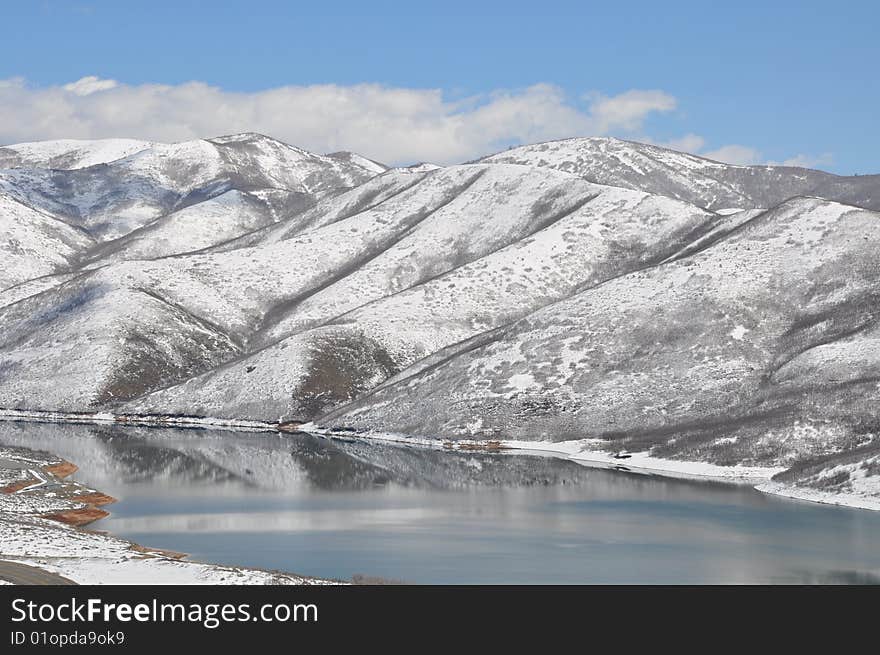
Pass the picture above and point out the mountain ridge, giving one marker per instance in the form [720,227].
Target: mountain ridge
[730,185]
[579,289]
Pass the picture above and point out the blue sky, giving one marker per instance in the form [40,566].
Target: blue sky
[781,81]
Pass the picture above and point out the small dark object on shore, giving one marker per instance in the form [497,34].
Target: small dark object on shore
[289,426]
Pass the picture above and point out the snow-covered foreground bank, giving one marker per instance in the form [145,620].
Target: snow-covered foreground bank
[39,514]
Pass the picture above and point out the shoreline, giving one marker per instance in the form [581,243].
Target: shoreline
[43,515]
[580,451]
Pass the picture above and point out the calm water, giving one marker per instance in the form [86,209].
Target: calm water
[339,509]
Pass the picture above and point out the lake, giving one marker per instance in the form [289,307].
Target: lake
[339,509]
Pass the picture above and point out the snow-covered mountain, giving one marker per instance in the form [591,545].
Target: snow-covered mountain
[34,243]
[68,154]
[586,288]
[703,182]
[112,199]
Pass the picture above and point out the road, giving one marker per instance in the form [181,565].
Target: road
[30,575]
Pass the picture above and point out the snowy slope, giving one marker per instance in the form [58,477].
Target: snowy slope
[68,154]
[329,210]
[95,331]
[254,296]
[257,161]
[92,339]
[111,200]
[360,161]
[208,223]
[761,349]
[550,236]
[703,182]
[35,244]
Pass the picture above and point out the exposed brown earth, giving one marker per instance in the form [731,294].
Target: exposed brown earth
[486,446]
[96,499]
[152,552]
[289,426]
[77,517]
[80,516]
[17,486]
[61,469]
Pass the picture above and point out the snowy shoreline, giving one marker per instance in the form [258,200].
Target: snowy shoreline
[817,496]
[583,451]
[757,477]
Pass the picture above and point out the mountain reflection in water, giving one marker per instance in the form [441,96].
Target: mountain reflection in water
[344,508]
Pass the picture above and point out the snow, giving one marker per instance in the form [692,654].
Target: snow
[521,382]
[423,167]
[113,200]
[584,451]
[138,570]
[192,228]
[709,184]
[870,499]
[448,263]
[107,417]
[34,243]
[623,163]
[72,154]
[367,164]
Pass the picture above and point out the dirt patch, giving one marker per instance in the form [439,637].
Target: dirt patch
[94,499]
[482,446]
[289,426]
[18,486]
[62,469]
[77,517]
[359,579]
[152,552]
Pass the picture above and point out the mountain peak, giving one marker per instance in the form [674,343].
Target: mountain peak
[241,137]
[704,182]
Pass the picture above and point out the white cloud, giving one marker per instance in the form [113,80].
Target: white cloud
[806,161]
[739,154]
[696,145]
[395,125]
[628,110]
[89,84]
[691,143]
[734,154]
[12,82]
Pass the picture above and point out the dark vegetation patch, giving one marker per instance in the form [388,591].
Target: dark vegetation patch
[811,467]
[342,367]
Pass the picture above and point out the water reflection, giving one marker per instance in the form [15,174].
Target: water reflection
[341,508]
